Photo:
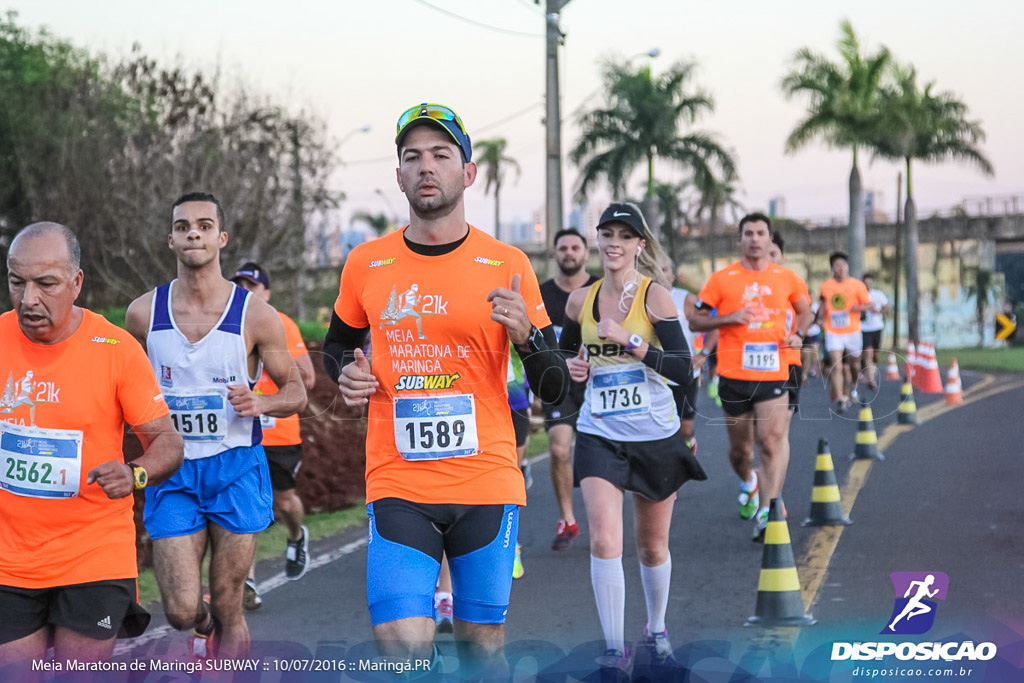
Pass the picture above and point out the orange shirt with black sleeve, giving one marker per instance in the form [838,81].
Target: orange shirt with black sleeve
[93,382]
[439,428]
[840,298]
[282,431]
[752,352]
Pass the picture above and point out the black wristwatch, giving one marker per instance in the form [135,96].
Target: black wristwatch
[535,342]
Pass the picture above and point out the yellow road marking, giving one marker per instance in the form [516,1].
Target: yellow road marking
[813,566]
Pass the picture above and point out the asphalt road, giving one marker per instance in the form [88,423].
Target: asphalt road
[946,498]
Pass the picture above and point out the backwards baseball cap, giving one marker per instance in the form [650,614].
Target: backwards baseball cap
[626,213]
[253,273]
[440,116]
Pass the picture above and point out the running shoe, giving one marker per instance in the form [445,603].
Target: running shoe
[527,473]
[250,596]
[713,387]
[854,397]
[748,500]
[564,535]
[615,666]
[517,565]
[443,615]
[296,557]
[840,407]
[200,644]
[691,443]
[759,527]
[660,650]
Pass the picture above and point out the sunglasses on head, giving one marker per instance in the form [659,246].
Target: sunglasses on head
[438,112]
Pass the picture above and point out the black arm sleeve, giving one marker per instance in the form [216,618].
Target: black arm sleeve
[672,361]
[339,344]
[572,336]
[545,366]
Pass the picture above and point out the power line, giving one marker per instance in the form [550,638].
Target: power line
[480,24]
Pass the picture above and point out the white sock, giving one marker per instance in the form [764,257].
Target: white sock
[439,596]
[749,486]
[609,583]
[656,581]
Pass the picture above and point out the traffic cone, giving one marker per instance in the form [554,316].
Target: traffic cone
[930,381]
[825,506]
[908,409]
[867,439]
[954,389]
[779,601]
[892,371]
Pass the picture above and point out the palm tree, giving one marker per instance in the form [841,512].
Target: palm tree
[668,207]
[378,222]
[716,195]
[842,112]
[491,157]
[920,124]
[981,289]
[642,123]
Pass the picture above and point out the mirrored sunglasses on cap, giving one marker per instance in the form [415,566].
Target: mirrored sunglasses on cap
[444,116]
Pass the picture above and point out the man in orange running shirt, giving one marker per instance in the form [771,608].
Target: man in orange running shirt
[753,297]
[441,470]
[67,540]
[842,300]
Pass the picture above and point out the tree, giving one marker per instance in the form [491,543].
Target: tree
[378,222]
[930,127]
[714,196]
[490,156]
[641,123]
[668,207]
[842,112]
[981,290]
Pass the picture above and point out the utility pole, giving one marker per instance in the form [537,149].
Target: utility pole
[553,121]
[899,265]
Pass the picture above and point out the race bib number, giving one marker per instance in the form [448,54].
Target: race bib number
[435,427]
[40,463]
[619,390]
[761,357]
[199,417]
[267,422]
[840,319]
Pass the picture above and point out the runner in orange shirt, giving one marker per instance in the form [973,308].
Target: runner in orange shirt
[842,299]
[441,300]
[70,382]
[282,442]
[754,297]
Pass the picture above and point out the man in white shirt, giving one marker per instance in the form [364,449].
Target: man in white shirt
[872,322]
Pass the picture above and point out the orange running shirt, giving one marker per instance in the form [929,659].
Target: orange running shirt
[791,356]
[753,352]
[94,381]
[839,298]
[282,431]
[441,363]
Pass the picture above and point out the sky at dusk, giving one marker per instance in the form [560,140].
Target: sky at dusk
[362,63]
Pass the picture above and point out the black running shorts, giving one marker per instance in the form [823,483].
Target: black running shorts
[284,463]
[99,610]
[739,396]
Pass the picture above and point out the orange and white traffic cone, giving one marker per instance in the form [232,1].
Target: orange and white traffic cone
[930,381]
[892,371]
[954,389]
[911,362]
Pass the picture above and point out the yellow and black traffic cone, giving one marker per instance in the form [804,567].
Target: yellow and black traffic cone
[867,439]
[826,510]
[908,408]
[779,601]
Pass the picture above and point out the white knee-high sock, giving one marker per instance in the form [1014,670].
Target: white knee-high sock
[656,582]
[609,583]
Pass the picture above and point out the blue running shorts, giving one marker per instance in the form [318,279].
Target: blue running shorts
[403,558]
[231,489]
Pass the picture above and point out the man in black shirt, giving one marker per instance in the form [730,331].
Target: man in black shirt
[560,420]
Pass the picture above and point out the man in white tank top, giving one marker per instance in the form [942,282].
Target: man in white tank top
[207,340]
